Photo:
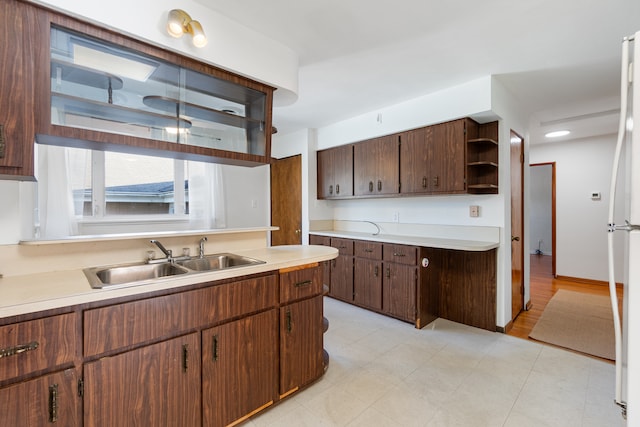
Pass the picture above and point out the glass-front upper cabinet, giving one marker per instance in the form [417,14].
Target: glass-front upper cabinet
[106,89]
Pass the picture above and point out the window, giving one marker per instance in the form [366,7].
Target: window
[84,192]
[119,185]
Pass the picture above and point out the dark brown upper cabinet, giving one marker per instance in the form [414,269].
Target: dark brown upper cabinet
[67,82]
[432,159]
[335,172]
[375,166]
[17,48]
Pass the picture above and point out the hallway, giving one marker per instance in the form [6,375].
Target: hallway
[543,287]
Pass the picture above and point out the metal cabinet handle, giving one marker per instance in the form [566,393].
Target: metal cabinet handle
[388,272]
[370,186]
[331,189]
[375,271]
[424,182]
[288,320]
[214,348]
[436,181]
[53,403]
[368,250]
[379,185]
[185,357]
[337,188]
[11,351]
[305,283]
[398,254]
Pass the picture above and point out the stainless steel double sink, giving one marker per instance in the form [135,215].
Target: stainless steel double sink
[143,273]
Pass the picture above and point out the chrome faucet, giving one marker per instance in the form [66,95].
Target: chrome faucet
[201,250]
[164,250]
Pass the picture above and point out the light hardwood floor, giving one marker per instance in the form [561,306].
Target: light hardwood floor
[543,287]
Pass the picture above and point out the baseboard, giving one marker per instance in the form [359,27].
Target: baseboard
[505,329]
[586,281]
[528,305]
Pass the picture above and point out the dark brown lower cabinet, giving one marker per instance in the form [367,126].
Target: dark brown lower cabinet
[342,278]
[44,401]
[151,386]
[301,329]
[399,291]
[468,288]
[239,368]
[367,283]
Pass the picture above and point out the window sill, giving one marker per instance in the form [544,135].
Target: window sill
[132,236]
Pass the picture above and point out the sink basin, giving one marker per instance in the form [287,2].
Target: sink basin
[218,262]
[139,273]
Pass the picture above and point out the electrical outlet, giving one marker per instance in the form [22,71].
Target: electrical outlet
[474,211]
[396,217]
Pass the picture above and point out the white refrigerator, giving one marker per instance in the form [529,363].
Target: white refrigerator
[627,392]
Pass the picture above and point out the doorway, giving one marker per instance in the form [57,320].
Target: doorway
[542,220]
[517,235]
[286,200]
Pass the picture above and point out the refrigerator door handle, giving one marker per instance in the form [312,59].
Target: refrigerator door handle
[626,227]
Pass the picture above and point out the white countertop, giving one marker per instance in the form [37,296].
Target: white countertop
[32,293]
[422,241]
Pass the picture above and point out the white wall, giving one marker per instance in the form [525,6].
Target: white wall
[582,167]
[540,213]
[247,196]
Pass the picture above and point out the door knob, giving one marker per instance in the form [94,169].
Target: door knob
[298,231]
[515,239]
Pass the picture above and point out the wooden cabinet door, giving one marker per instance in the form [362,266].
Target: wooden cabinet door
[367,283]
[376,165]
[154,385]
[399,291]
[18,40]
[239,368]
[342,158]
[468,288]
[42,401]
[415,161]
[325,174]
[326,265]
[301,328]
[447,154]
[342,278]
[335,172]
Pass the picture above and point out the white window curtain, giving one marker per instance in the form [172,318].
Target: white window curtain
[56,214]
[207,208]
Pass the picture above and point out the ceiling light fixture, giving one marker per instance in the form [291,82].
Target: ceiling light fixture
[179,22]
[557,133]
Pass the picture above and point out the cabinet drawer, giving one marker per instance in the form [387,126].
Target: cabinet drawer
[298,283]
[344,246]
[314,239]
[136,322]
[364,249]
[36,345]
[400,254]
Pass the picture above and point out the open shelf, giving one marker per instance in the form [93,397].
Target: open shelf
[114,113]
[170,105]
[482,160]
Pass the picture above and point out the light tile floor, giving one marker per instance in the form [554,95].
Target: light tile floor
[384,372]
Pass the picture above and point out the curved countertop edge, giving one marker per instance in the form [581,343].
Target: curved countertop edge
[32,293]
[426,242]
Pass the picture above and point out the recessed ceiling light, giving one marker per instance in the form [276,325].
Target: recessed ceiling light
[557,133]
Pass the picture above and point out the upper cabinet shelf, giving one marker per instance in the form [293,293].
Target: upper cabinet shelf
[482,160]
[109,89]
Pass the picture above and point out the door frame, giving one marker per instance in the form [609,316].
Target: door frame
[521,233]
[553,213]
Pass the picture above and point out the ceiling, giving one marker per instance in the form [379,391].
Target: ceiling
[559,58]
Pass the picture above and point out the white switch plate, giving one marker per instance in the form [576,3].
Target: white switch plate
[396,217]
[474,211]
